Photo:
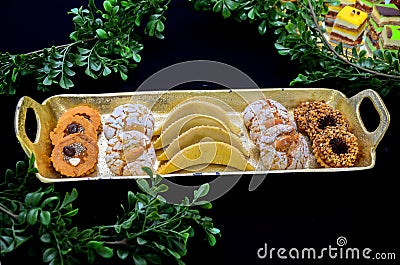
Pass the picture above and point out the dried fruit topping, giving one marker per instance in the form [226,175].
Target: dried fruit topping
[69,151]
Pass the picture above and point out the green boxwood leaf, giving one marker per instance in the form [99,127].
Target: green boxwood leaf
[123,75]
[225,11]
[107,6]
[262,27]
[106,71]
[91,256]
[203,190]
[45,238]
[153,258]
[47,81]
[160,25]
[32,216]
[122,253]
[65,82]
[141,241]
[175,254]
[136,57]
[102,34]
[218,6]
[251,13]
[49,254]
[232,5]
[105,252]
[90,73]
[20,168]
[211,239]
[94,244]
[45,217]
[139,260]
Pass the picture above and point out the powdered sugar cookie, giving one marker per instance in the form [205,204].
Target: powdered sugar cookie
[129,117]
[282,147]
[128,152]
[262,114]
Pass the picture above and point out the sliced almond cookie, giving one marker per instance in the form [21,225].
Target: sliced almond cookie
[301,111]
[86,112]
[129,117]
[262,114]
[282,147]
[336,147]
[322,118]
[72,125]
[75,155]
[128,152]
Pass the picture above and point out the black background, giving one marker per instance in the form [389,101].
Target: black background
[287,210]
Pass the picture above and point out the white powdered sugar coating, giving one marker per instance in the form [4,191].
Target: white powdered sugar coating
[129,117]
[128,152]
[294,155]
[263,114]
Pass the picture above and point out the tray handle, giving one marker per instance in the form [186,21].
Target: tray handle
[23,105]
[384,116]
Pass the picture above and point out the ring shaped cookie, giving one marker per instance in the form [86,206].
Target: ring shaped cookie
[301,111]
[72,125]
[320,119]
[75,155]
[86,112]
[336,147]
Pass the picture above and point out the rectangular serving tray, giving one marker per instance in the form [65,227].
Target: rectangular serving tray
[162,102]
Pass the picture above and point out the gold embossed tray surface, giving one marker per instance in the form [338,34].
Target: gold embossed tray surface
[162,102]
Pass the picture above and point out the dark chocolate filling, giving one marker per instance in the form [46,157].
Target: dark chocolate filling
[326,121]
[338,146]
[388,11]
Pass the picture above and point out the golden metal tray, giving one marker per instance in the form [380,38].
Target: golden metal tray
[162,102]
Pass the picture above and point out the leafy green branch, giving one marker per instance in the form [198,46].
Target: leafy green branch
[149,229]
[105,40]
[298,26]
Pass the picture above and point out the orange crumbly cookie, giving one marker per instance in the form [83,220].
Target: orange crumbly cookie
[86,112]
[336,147]
[75,155]
[70,125]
